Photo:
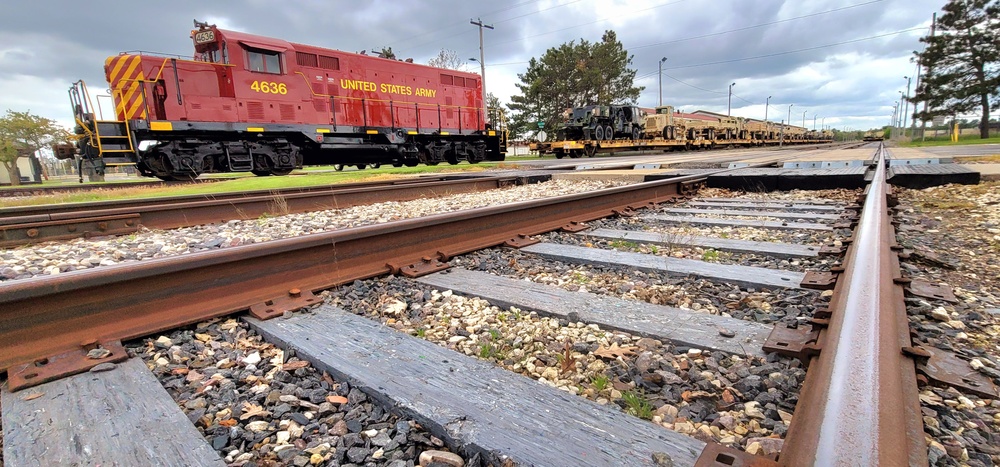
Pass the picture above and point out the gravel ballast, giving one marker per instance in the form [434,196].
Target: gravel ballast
[57,257]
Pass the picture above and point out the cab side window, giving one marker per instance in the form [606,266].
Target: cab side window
[264,61]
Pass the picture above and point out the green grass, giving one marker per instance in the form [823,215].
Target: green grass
[239,183]
[710,256]
[637,404]
[946,141]
[624,244]
[599,382]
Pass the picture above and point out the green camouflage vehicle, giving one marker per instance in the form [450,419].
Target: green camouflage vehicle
[603,123]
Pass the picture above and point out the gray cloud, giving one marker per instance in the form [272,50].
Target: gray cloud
[847,83]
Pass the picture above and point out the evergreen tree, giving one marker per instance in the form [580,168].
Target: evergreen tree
[962,62]
[572,75]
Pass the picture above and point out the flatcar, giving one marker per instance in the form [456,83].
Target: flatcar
[247,103]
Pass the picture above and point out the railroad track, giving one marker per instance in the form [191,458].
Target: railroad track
[688,326]
[33,224]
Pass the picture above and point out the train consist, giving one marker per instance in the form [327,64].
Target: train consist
[248,103]
[666,129]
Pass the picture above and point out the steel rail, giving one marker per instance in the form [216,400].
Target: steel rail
[39,210]
[859,404]
[45,316]
[20,226]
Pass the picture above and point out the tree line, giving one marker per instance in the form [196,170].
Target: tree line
[24,135]
[961,63]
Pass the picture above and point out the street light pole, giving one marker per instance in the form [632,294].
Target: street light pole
[804,119]
[482,60]
[767,129]
[730,112]
[660,66]
[814,122]
[906,105]
[900,115]
[789,118]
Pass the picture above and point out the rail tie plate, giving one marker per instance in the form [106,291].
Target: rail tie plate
[79,360]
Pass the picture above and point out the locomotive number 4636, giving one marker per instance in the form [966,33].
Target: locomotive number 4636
[269,87]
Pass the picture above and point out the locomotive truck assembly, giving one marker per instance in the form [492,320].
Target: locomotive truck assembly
[248,103]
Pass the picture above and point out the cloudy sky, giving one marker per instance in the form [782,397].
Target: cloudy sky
[842,60]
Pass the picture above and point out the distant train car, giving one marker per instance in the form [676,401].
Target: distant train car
[248,103]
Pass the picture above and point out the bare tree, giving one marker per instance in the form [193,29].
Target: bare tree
[447,59]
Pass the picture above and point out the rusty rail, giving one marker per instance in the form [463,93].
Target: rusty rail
[859,404]
[46,316]
[33,224]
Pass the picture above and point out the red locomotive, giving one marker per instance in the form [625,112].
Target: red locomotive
[248,103]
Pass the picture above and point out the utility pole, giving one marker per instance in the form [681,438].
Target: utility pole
[923,122]
[804,119]
[661,79]
[730,112]
[814,121]
[781,141]
[482,59]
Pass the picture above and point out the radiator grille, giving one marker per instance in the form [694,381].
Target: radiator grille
[255,110]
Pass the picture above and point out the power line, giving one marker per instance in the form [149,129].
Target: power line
[499,22]
[776,54]
[593,22]
[674,41]
[758,56]
[462,25]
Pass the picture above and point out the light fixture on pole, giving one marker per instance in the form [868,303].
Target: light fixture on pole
[730,112]
[660,67]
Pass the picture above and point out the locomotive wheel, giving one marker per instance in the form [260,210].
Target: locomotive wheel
[260,173]
[599,133]
[338,167]
[411,162]
[397,164]
[361,166]
[451,157]
[376,165]
[609,133]
[281,172]
[575,153]
[560,154]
